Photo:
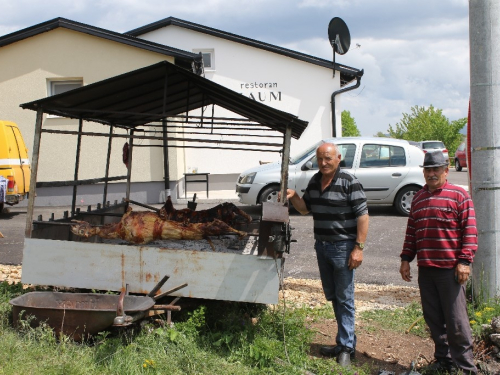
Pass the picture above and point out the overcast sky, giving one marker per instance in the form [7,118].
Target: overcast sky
[412,52]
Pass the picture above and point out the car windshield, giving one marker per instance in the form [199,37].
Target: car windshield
[299,157]
[428,145]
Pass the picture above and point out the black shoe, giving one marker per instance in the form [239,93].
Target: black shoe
[334,351]
[344,358]
[441,367]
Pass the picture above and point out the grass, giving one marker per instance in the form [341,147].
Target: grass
[405,319]
[213,338]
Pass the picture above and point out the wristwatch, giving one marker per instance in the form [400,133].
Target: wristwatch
[361,245]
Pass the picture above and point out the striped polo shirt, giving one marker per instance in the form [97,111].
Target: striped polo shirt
[336,209]
[441,228]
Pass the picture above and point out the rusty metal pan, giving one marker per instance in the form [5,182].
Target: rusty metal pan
[78,315]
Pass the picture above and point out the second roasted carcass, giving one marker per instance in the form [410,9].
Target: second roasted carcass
[144,227]
[226,212]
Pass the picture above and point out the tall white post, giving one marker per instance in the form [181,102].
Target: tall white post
[484,38]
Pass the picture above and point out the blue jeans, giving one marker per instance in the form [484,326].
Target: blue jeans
[338,286]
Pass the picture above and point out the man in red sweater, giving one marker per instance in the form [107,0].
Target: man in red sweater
[442,234]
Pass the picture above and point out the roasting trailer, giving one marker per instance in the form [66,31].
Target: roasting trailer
[127,106]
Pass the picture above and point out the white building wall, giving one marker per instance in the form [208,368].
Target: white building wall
[25,69]
[28,65]
[297,87]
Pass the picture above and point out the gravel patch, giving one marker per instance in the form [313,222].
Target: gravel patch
[11,274]
[308,292]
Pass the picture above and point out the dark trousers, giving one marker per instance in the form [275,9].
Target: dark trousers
[445,312]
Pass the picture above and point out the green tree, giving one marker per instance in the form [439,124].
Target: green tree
[349,128]
[429,124]
[380,134]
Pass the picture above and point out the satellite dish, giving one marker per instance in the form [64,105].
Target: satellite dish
[339,36]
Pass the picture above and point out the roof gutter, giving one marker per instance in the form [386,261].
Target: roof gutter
[335,93]
[348,74]
[184,59]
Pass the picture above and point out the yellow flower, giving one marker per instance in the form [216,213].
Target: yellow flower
[144,365]
[472,322]
[488,309]
[479,314]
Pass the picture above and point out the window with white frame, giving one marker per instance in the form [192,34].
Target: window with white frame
[208,58]
[58,86]
[61,85]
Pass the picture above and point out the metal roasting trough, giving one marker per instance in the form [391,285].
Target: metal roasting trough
[82,315]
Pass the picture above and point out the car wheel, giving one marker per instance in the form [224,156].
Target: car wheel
[269,194]
[458,167]
[404,199]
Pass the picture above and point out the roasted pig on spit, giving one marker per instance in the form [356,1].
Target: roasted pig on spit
[144,227]
[226,212]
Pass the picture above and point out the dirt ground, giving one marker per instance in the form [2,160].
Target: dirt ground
[380,348]
[383,350]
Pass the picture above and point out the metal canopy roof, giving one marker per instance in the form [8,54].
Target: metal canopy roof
[156,92]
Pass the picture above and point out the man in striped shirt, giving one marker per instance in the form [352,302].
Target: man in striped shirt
[442,234]
[338,204]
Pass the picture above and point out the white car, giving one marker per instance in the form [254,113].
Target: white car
[389,170]
[429,146]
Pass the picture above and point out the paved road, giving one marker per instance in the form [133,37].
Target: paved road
[380,265]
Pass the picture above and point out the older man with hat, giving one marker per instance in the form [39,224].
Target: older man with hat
[441,233]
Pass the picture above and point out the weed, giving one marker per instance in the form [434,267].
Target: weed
[215,337]
[482,314]
[408,319]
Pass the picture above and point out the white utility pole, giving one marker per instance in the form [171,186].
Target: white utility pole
[484,39]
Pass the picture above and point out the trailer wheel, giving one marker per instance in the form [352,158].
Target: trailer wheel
[270,194]
[402,203]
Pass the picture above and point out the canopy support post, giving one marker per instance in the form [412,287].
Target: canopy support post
[34,171]
[284,163]
[77,165]
[129,167]
[108,160]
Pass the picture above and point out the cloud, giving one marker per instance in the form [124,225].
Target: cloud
[412,53]
[401,74]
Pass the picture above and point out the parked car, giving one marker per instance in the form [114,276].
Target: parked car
[461,157]
[427,146]
[15,172]
[389,170]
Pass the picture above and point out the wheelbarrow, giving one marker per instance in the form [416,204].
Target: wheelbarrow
[82,315]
